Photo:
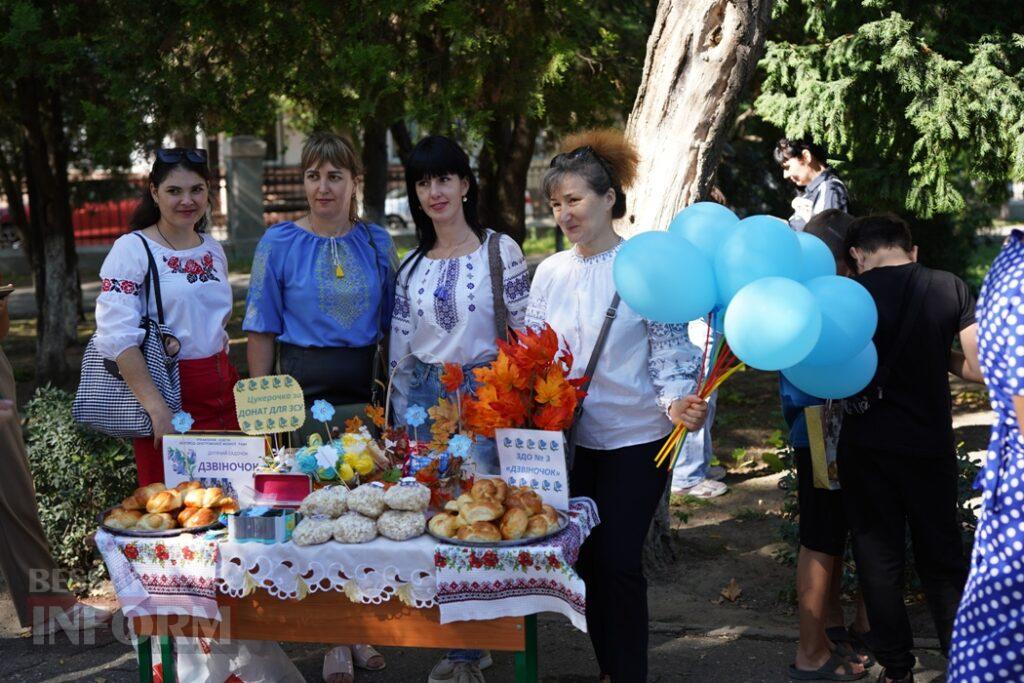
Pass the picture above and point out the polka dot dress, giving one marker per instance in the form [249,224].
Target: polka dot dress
[988,638]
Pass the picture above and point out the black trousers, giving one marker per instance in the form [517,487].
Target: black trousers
[884,494]
[627,486]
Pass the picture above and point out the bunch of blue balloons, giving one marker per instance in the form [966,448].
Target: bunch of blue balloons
[776,291]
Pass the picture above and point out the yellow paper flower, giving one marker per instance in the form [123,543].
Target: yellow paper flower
[353,443]
[364,464]
[345,472]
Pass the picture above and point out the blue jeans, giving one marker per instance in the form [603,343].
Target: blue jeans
[695,458]
[424,391]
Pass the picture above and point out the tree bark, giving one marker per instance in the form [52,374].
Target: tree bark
[700,56]
[375,170]
[55,262]
[403,141]
[11,181]
[504,163]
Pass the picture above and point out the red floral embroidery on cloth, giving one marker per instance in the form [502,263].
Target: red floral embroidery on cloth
[499,589]
[202,270]
[121,286]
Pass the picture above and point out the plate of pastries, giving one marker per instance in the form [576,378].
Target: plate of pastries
[156,510]
[493,513]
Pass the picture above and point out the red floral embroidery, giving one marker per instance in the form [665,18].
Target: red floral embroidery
[131,551]
[525,559]
[553,561]
[161,552]
[490,559]
[474,561]
[439,560]
[187,553]
[194,271]
[121,286]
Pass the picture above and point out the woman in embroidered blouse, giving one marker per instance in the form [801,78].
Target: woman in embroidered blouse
[322,287]
[643,383]
[196,296]
[444,307]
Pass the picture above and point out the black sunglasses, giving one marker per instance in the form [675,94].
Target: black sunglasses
[577,153]
[175,154]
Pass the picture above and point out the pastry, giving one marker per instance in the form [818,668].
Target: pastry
[367,499]
[444,524]
[463,499]
[353,527]
[228,505]
[537,526]
[188,486]
[482,511]
[479,531]
[500,490]
[132,502]
[142,495]
[203,498]
[331,502]
[202,517]
[158,521]
[528,500]
[549,514]
[165,501]
[484,488]
[401,525]
[119,518]
[513,524]
[313,531]
[408,495]
[186,514]
[452,506]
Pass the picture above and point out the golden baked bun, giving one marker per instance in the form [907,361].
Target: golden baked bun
[537,526]
[464,499]
[443,524]
[188,486]
[479,531]
[119,518]
[202,517]
[513,524]
[158,521]
[452,506]
[228,505]
[144,493]
[483,488]
[460,521]
[500,490]
[482,511]
[549,513]
[132,502]
[204,498]
[165,501]
[528,500]
[185,514]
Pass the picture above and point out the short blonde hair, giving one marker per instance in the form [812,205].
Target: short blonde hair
[323,147]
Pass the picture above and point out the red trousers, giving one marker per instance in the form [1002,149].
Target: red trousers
[207,394]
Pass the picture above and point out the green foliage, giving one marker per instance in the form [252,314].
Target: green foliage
[77,475]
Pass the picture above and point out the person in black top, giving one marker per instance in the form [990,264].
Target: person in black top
[804,163]
[896,456]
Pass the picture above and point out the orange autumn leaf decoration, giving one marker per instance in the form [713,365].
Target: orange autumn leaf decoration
[527,385]
[452,377]
[376,415]
[353,424]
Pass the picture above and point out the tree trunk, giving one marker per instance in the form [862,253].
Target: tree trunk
[403,141]
[55,262]
[11,182]
[700,56]
[375,170]
[504,163]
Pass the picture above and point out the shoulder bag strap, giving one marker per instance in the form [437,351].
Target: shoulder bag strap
[915,298]
[497,285]
[602,338]
[379,373]
[152,279]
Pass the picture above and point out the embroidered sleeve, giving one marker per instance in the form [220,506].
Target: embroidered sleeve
[264,303]
[400,343]
[674,362]
[516,281]
[120,305]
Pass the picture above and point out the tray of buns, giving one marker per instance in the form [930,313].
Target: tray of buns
[156,511]
[494,514]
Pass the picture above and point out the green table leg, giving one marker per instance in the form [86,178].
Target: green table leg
[167,658]
[145,650]
[526,661]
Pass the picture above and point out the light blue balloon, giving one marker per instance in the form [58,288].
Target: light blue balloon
[706,224]
[848,319]
[761,246]
[817,259]
[664,277]
[772,323]
[842,380]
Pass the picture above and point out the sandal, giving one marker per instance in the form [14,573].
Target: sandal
[367,657]
[338,665]
[850,644]
[835,669]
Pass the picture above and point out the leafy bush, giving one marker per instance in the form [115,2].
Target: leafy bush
[77,475]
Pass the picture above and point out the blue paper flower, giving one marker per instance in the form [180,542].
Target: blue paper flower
[322,410]
[182,421]
[415,416]
[459,445]
[306,462]
[418,462]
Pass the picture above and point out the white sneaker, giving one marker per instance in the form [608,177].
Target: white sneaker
[79,617]
[717,473]
[444,671]
[707,488]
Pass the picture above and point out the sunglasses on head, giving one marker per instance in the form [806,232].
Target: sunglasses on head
[577,153]
[175,154]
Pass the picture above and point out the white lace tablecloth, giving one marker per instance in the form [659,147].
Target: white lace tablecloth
[182,574]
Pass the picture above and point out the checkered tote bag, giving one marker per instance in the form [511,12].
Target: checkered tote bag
[104,401]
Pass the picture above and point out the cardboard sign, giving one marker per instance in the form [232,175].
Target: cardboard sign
[269,405]
[536,458]
[225,460]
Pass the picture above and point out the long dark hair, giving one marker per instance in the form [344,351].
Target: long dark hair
[434,156]
[147,213]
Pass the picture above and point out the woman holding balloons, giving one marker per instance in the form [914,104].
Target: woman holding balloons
[643,382]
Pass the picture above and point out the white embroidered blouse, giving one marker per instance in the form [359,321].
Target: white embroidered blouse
[194,289]
[444,310]
[644,365]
